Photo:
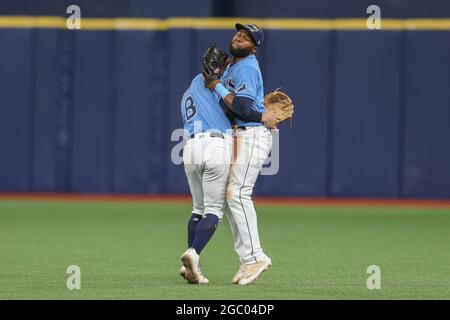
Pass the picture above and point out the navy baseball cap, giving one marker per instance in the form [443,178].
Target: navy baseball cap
[254,30]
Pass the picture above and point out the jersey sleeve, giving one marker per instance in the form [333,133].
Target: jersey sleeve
[246,82]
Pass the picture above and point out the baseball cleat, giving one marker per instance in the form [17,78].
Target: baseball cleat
[193,275]
[252,271]
[203,280]
[239,274]
[183,272]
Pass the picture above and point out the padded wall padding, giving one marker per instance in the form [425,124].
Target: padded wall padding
[365,146]
[17,67]
[427,115]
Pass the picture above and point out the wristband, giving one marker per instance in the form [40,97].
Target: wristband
[221,90]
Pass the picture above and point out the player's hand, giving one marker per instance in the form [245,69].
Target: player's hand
[211,75]
[270,119]
[212,83]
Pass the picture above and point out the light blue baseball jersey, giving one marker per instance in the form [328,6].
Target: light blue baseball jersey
[244,79]
[201,110]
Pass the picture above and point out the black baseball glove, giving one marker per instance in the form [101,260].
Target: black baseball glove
[213,63]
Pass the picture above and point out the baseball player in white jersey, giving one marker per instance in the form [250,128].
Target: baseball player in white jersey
[207,158]
[241,89]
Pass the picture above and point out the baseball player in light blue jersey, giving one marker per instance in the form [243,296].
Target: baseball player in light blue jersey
[207,158]
[241,89]
[201,111]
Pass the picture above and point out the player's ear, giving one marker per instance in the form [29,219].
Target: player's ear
[254,49]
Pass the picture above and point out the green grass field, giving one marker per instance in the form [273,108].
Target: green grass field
[132,250]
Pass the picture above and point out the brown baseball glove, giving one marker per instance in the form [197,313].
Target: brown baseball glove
[281,104]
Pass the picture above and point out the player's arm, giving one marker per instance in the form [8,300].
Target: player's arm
[228,113]
[241,104]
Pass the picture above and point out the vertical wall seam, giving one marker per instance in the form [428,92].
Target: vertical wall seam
[330,114]
[160,79]
[163,97]
[32,121]
[151,139]
[113,114]
[65,109]
[71,112]
[402,115]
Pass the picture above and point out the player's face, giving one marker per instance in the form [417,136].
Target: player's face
[242,44]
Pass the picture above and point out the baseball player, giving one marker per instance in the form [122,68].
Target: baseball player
[241,89]
[207,158]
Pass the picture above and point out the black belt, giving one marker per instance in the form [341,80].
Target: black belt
[245,127]
[211,134]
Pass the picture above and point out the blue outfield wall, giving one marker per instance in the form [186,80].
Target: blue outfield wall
[17,110]
[44,147]
[302,70]
[426,166]
[365,129]
[93,111]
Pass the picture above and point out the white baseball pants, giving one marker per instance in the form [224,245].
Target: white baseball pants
[251,149]
[207,162]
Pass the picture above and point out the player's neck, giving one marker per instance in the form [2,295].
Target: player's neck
[236,59]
